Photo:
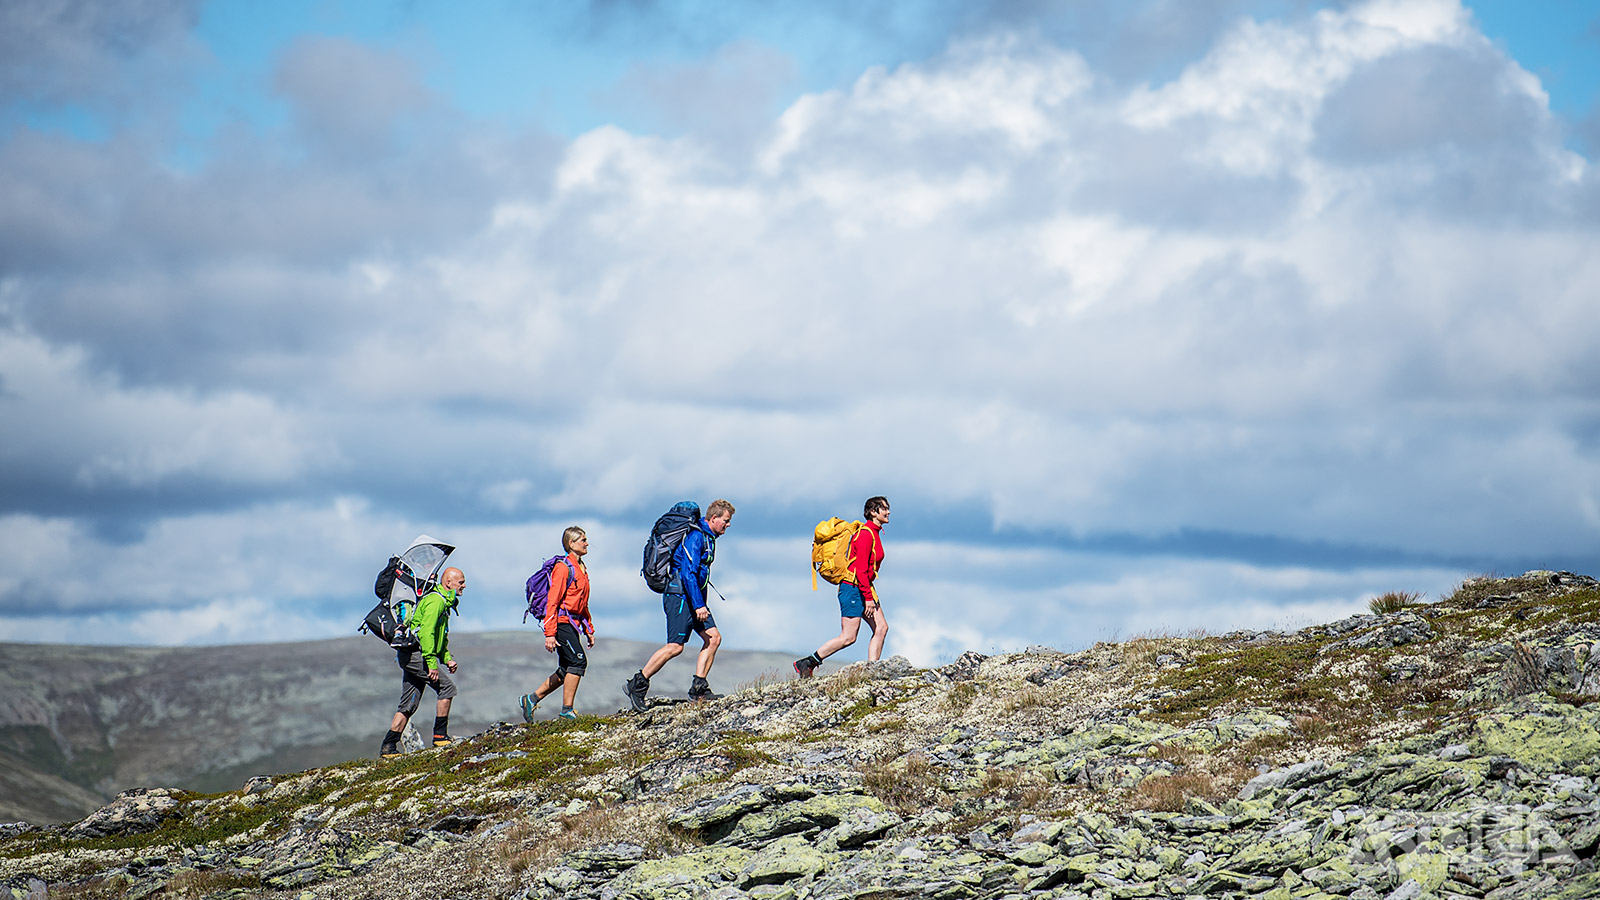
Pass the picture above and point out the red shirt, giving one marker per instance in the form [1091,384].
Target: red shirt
[866,555]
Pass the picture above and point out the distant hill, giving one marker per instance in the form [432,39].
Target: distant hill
[80,723]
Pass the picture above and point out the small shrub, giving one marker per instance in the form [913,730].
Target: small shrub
[902,783]
[837,684]
[197,884]
[1394,601]
[1172,753]
[1314,728]
[1140,652]
[760,682]
[1025,789]
[1026,698]
[1169,793]
[960,696]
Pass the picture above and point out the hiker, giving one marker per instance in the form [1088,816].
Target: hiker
[684,603]
[566,615]
[419,665]
[858,600]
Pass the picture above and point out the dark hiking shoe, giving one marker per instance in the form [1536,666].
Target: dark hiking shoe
[388,751]
[635,688]
[528,706]
[700,691]
[804,667]
[444,740]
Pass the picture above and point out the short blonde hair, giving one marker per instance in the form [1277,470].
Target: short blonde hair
[718,508]
[572,533]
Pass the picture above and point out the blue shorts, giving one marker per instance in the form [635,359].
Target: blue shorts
[681,619]
[851,603]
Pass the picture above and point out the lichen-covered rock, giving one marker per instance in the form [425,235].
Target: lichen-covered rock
[1540,734]
[604,858]
[782,860]
[304,857]
[688,876]
[859,826]
[25,887]
[809,817]
[132,812]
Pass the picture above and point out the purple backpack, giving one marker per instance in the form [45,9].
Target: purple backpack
[538,587]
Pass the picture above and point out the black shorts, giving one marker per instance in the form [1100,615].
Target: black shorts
[569,651]
[681,619]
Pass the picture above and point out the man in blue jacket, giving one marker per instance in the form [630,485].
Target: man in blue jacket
[684,602]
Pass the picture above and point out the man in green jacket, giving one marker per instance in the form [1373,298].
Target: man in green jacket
[420,665]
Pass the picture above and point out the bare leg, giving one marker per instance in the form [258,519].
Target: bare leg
[708,652]
[548,687]
[398,723]
[569,690]
[442,708]
[849,627]
[659,659]
[880,631]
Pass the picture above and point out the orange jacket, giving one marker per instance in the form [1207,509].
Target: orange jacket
[568,602]
[866,555]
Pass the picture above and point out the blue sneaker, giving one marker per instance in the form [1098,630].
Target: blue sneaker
[528,706]
[567,714]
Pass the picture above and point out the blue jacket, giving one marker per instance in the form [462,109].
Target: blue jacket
[691,564]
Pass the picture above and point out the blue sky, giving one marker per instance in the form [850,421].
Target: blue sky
[1147,316]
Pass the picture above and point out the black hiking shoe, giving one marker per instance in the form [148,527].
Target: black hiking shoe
[804,667]
[388,751]
[700,691]
[635,688]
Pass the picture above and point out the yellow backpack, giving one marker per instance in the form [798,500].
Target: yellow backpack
[830,550]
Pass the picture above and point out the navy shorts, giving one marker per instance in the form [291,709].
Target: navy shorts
[569,651]
[851,603]
[681,619]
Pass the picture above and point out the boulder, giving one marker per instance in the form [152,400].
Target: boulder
[132,812]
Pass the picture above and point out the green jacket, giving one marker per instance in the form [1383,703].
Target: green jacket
[431,624]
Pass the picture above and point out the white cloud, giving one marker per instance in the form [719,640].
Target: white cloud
[1238,302]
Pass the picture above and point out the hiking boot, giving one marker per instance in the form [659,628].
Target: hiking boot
[804,667]
[635,688]
[700,691]
[444,740]
[388,751]
[528,706]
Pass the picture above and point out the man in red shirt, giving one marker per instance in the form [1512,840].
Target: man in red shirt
[858,599]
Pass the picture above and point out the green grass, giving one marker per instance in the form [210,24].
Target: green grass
[1249,676]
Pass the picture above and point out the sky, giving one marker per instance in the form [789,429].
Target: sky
[1151,317]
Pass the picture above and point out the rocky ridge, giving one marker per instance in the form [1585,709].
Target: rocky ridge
[1446,750]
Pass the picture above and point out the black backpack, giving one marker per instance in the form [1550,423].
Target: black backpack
[385,583]
[668,533]
[381,622]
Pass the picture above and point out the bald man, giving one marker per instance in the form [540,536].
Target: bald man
[419,666]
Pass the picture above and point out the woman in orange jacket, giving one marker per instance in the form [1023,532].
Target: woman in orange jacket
[566,616]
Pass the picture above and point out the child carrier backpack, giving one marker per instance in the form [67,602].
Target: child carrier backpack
[538,587]
[830,550]
[664,539]
[399,587]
